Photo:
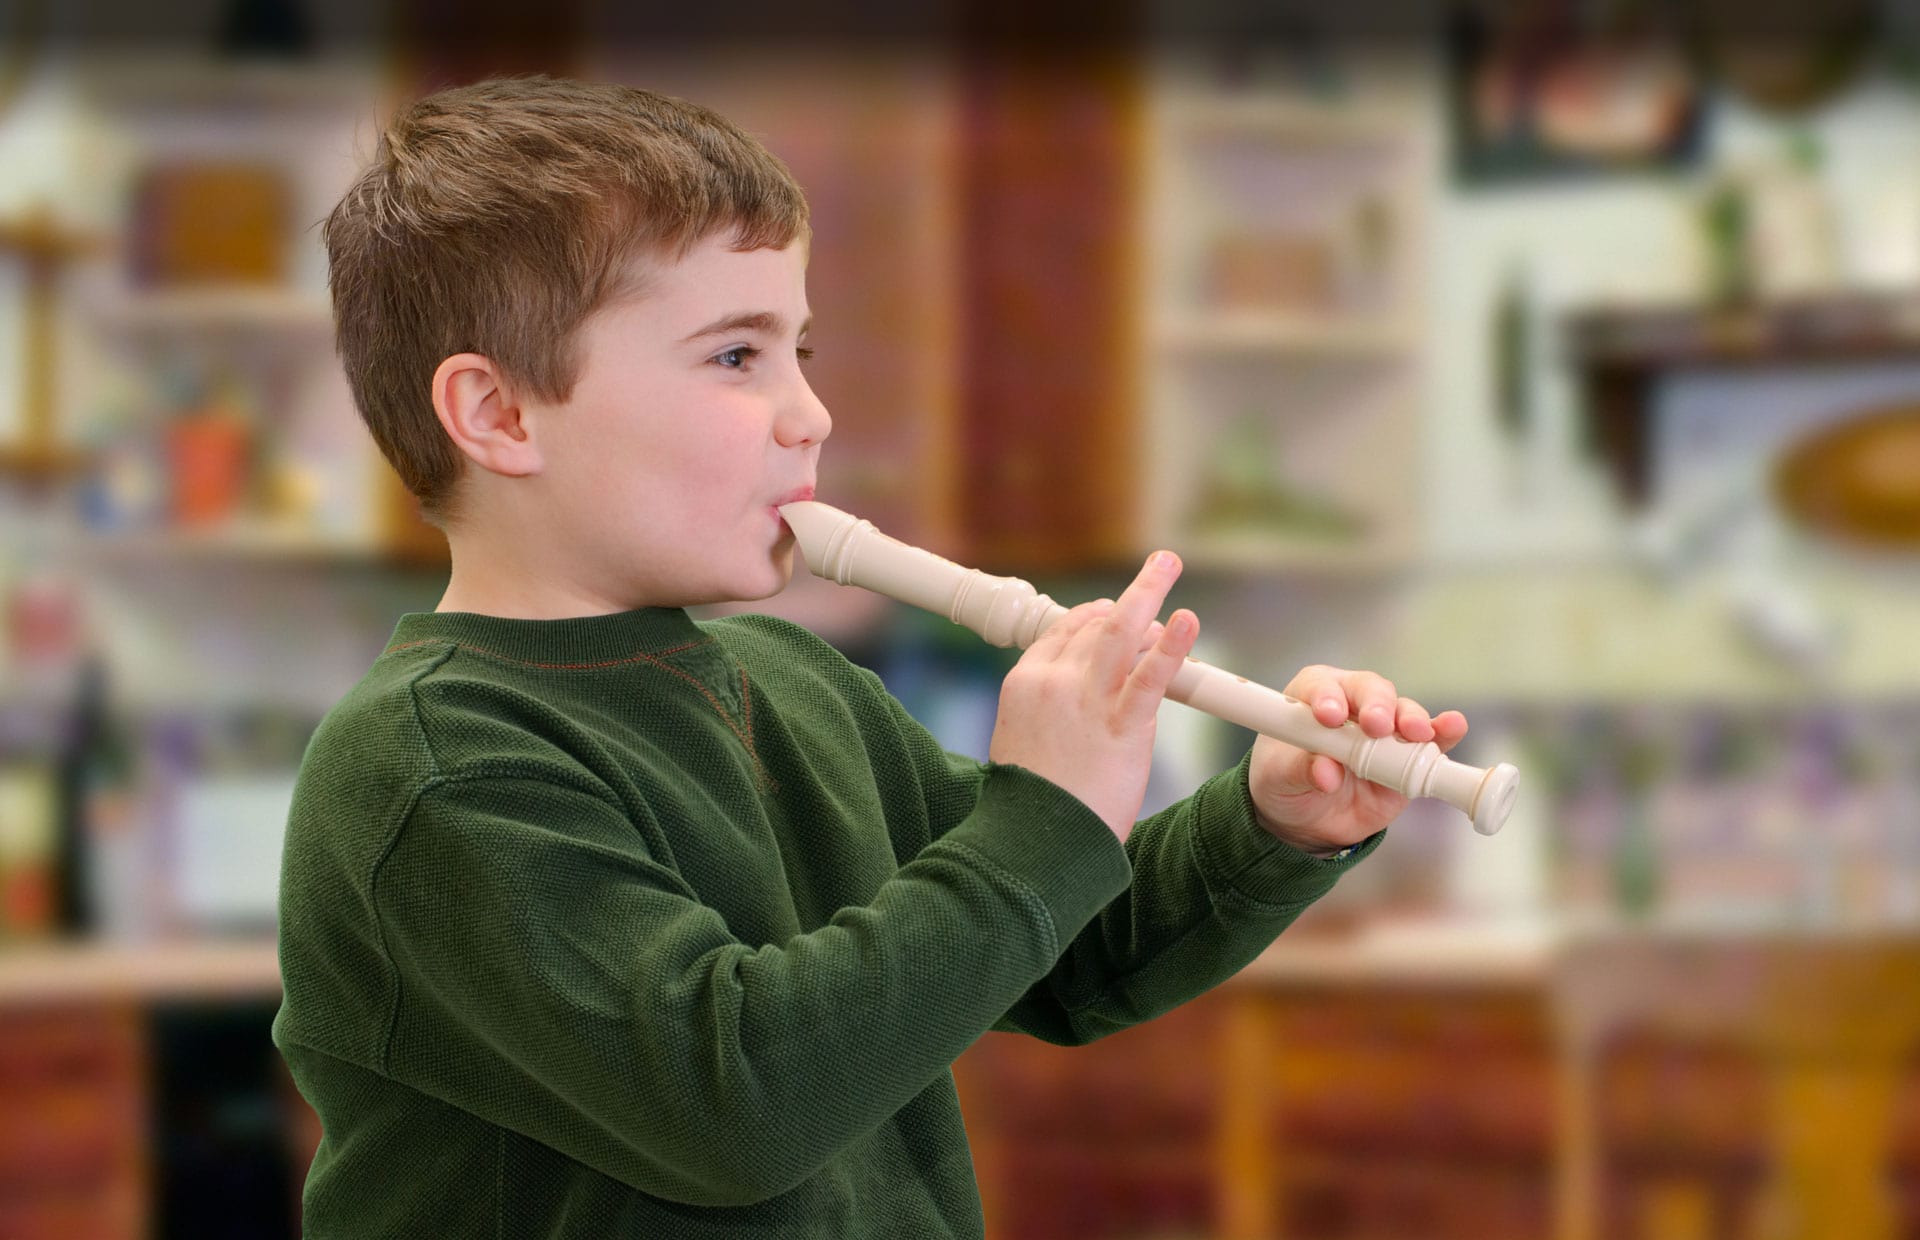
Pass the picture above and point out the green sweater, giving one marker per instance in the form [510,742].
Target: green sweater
[640,926]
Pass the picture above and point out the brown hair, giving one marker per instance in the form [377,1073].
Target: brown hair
[497,217]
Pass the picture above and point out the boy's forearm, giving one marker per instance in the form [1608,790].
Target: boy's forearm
[1211,890]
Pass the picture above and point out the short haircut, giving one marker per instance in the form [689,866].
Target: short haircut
[496,218]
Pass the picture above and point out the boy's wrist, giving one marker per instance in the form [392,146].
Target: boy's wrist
[1319,849]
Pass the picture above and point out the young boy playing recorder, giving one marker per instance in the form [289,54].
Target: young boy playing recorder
[600,921]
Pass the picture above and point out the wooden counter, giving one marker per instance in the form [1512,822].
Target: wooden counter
[1426,1081]
[1424,955]
[57,973]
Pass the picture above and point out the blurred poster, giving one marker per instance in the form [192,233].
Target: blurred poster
[1555,88]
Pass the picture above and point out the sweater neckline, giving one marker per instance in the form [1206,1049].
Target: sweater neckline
[570,641]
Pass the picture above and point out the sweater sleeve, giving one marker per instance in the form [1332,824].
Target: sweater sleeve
[570,987]
[1211,889]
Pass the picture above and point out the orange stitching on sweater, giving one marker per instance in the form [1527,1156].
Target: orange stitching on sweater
[744,737]
[712,699]
[746,705]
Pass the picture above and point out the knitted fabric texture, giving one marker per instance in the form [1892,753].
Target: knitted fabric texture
[640,926]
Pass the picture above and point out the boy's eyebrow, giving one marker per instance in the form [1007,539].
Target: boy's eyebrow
[747,321]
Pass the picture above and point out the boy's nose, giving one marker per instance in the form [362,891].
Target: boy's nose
[805,420]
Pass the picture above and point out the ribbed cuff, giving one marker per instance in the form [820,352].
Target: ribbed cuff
[1237,852]
[1049,840]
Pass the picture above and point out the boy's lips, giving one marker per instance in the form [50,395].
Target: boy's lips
[791,497]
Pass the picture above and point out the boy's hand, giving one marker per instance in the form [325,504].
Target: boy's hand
[1079,706]
[1313,802]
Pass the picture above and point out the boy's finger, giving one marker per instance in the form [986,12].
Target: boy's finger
[1320,687]
[1137,605]
[1448,728]
[1413,722]
[1147,683]
[1057,634]
[1293,774]
[1337,695]
[1375,704]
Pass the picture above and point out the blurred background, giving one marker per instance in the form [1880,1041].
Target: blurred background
[1559,360]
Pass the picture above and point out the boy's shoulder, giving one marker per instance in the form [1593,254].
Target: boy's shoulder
[435,709]
[379,715]
[373,736]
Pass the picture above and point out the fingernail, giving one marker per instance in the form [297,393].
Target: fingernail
[1159,559]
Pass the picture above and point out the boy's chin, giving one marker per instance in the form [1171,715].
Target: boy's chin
[779,577]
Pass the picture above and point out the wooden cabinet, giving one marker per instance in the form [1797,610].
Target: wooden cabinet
[1254,1111]
[1756,1087]
[1113,1139]
[1048,202]
[1629,1088]
[1408,1113]
[141,1094]
[72,1132]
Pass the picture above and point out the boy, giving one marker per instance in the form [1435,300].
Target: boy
[598,921]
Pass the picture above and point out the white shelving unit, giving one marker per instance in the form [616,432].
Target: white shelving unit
[278,598]
[1256,333]
[1281,373]
[313,125]
[241,541]
[242,312]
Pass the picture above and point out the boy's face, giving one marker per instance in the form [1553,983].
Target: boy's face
[690,422]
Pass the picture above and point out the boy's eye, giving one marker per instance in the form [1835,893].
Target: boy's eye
[739,356]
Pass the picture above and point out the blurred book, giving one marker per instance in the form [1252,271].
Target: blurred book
[211,222]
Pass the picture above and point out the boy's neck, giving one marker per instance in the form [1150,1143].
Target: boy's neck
[493,580]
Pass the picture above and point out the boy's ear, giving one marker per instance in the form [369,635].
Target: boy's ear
[480,415]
